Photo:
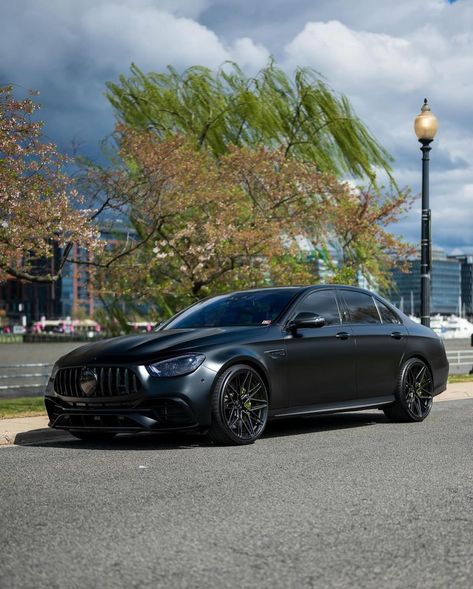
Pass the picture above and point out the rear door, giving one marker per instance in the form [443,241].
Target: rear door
[320,361]
[380,343]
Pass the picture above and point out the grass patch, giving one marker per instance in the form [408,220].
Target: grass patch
[460,378]
[22,407]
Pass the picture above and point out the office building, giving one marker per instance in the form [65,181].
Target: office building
[446,286]
[465,259]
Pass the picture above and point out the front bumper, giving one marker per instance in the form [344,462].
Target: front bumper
[161,404]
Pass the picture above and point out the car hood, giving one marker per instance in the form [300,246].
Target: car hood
[132,349]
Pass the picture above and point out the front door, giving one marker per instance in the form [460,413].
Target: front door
[321,361]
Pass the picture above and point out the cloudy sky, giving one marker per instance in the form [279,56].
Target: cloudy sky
[386,56]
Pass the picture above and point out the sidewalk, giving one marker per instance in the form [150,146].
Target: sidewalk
[457,391]
[28,430]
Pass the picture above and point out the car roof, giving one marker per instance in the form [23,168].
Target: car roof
[302,288]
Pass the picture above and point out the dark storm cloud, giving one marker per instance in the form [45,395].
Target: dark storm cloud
[68,51]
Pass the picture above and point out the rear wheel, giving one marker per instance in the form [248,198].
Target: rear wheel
[414,395]
[239,406]
[93,436]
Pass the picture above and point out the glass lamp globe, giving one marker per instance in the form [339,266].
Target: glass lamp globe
[425,125]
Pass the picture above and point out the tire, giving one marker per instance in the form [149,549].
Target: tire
[239,406]
[93,436]
[414,393]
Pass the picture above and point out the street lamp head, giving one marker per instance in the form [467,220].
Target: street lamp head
[425,124]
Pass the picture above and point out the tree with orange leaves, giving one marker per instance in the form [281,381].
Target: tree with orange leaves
[207,224]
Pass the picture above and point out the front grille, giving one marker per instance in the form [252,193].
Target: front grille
[111,381]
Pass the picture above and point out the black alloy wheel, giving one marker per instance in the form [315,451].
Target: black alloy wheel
[414,395]
[93,436]
[239,406]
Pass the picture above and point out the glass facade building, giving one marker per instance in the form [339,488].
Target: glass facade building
[446,286]
[76,288]
[466,264]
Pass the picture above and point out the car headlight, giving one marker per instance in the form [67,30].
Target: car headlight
[177,366]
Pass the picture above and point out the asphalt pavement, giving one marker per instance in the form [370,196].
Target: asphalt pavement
[345,500]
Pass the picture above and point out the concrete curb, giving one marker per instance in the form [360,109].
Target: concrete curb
[7,439]
[33,437]
[29,430]
[457,391]
[32,430]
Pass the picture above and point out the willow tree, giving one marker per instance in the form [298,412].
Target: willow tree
[301,114]
[195,154]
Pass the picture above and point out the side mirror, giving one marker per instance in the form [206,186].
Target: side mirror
[306,320]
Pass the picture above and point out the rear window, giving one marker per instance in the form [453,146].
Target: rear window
[387,315]
[361,307]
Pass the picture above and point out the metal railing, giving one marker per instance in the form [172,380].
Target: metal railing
[11,374]
[41,338]
[35,375]
[460,359]
[11,338]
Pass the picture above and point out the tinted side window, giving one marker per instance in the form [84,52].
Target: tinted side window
[386,314]
[323,303]
[361,307]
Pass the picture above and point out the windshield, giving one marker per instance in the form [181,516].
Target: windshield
[238,309]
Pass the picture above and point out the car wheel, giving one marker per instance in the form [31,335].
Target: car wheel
[414,394]
[239,406]
[93,436]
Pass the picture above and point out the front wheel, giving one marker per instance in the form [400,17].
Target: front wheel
[239,406]
[414,394]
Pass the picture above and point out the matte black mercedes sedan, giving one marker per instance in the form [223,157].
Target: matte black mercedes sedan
[229,363]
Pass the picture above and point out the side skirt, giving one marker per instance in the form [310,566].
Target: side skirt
[358,405]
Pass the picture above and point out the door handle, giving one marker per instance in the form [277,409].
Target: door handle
[343,335]
[276,353]
[396,335]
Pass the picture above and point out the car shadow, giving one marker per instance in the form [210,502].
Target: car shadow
[187,440]
[139,441]
[322,423]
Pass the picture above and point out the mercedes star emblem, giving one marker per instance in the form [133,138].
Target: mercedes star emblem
[88,381]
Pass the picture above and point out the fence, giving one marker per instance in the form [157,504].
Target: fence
[10,338]
[461,361]
[23,378]
[41,338]
[32,378]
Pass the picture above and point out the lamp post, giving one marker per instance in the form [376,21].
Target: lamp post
[425,127]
